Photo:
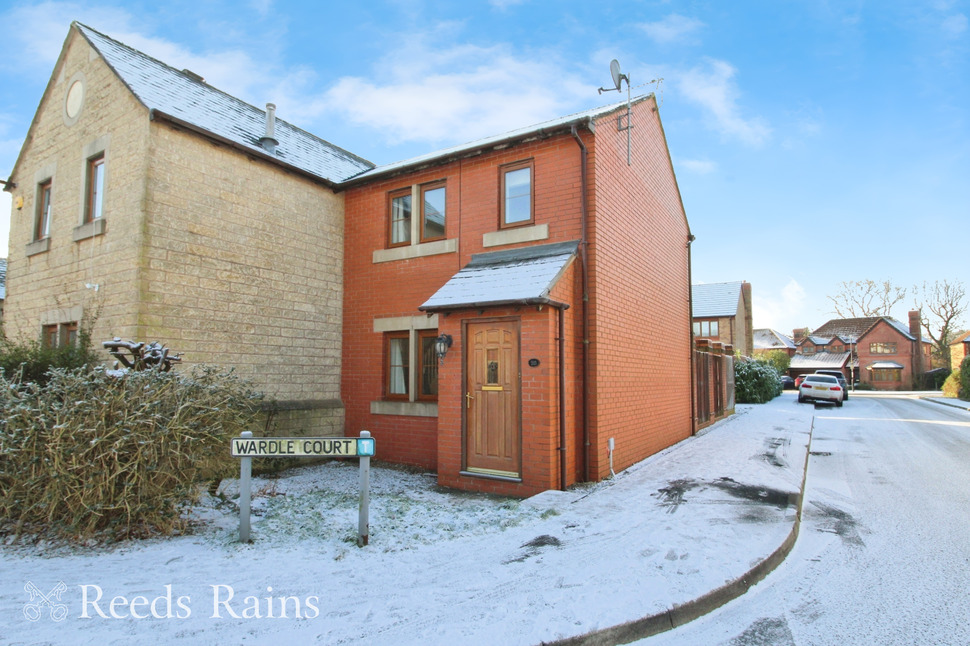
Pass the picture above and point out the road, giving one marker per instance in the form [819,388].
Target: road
[883,556]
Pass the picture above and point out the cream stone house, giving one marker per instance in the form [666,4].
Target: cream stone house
[152,206]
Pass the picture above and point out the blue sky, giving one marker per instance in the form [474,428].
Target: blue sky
[814,141]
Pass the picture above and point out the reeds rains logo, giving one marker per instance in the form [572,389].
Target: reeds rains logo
[224,604]
[34,609]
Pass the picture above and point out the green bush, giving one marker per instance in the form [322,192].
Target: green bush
[755,382]
[951,387]
[965,378]
[31,361]
[118,456]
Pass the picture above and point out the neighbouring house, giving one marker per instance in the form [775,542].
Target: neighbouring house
[512,313]
[156,207]
[765,340]
[959,349]
[722,313]
[886,354]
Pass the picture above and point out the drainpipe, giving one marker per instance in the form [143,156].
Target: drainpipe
[562,396]
[690,349]
[585,271]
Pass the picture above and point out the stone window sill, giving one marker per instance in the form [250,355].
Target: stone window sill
[89,230]
[412,409]
[416,251]
[38,246]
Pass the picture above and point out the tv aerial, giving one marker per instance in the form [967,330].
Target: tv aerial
[622,121]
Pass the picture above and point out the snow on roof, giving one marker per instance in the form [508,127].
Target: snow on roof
[884,365]
[177,94]
[558,124]
[716,299]
[819,361]
[768,339]
[523,275]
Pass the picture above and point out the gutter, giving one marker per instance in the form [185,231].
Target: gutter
[541,300]
[257,153]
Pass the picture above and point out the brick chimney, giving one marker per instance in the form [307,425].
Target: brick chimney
[914,325]
[799,333]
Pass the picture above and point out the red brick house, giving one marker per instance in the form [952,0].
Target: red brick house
[887,354]
[722,314]
[491,247]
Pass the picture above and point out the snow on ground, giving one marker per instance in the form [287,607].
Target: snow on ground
[441,566]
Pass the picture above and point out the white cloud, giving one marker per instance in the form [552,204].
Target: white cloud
[456,94]
[672,28]
[782,311]
[713,88]
[955,25]
[699,166]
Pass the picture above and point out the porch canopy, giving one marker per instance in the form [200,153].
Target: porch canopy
[885,365]
[523,276]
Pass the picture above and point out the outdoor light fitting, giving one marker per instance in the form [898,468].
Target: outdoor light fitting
[441,345]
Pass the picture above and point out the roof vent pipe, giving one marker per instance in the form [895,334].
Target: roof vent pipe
[268,140]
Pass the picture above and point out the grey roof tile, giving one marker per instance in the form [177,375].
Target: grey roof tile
[174,93]
[715,299]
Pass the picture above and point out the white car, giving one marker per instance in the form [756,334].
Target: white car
[821,388]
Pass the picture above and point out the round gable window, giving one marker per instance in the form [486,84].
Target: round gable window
[74,99]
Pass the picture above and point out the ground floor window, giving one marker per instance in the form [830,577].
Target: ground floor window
[59,335]
[887,374]
[409,357]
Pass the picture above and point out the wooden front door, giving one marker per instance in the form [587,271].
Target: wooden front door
[492,437]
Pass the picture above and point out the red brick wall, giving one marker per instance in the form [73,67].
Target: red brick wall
[640,312]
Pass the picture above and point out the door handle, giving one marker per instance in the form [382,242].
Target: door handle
[468,400]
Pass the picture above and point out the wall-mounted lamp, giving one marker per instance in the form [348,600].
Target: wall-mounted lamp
[18,202]
[441,345]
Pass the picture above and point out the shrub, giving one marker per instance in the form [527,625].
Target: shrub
[951,387]
[755,382]
[31,361]
[965,378]
[90,453]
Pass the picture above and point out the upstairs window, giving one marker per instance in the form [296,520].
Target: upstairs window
[705,328]
[882,348]
[516,194]
[43,220]
[399,207]
[433,212]
[94,195]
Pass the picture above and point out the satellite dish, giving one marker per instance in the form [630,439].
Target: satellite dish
[615,71]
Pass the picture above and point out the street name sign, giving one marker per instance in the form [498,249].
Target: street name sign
[301,447]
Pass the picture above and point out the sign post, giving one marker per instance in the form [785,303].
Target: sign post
[245,493]
[363,525]
[248,447]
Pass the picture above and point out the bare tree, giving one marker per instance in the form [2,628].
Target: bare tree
[942,304]
[861,298]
